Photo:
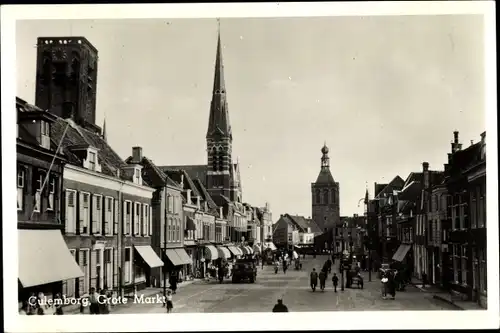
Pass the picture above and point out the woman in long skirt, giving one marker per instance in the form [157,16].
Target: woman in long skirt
[170,304]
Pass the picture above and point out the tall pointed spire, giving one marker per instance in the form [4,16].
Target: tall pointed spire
[104,130]
[218,122]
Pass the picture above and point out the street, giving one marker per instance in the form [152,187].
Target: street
[293,287]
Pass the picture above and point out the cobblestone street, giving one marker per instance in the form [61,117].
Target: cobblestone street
[293,286]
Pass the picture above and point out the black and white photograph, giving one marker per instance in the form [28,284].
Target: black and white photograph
[327,160]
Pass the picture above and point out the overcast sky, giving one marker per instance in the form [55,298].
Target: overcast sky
[385,93]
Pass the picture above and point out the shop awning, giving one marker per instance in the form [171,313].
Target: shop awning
[223,252]
[211,252]
[270,245]
[190,225]
[249,249]
[234,250]
[186,259]
[244,250]
[44,258]
[401,252]
[173,257]
[256,248]
[148,254]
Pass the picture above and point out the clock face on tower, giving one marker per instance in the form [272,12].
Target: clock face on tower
[58,54]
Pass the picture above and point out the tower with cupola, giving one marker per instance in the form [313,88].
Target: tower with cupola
[325,195]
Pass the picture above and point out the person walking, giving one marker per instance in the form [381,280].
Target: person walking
[276,267]
[314,279]
[103,302]
[384,286]
[58,305]
[280,307]
[170,304]
[94,305]
[285,266]
[322,280]
[335,280]
[329,265]
[173,282]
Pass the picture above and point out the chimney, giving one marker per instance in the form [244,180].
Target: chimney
[68,110]
[189,197]
[137,154]
[471,142]
[425,167]
[455,137]
[483,137]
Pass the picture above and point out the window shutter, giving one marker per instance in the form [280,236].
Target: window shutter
[68,214]
[116,217]
[124,219]
[81,212]
[150,218]
[81,280]
[115,268]
[93,271]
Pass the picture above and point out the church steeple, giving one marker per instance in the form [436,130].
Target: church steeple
[218,123]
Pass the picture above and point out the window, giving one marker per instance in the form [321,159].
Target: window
[97,214]
[473,209]
[464,269]
[45,134]
[20,188]
[318,196]
[482,271]
[456,262]
[145,220]
[52,191]
[128,216]
[137,219]
[108,216]
[108,272]
[137,176]
[70,216]
[116,217]
[84,265]
[149,217]
[38,190]
[170,203]
[92,160]
[84,212]
[69,286]
[128,265]
[482,207]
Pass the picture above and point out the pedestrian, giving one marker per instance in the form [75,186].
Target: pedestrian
[93,300]
[103,302]
[314,279]
[276,267]
[280,307]
[24,310]
[329,265]
[173,282]
[384,286]
[322,280]
[335,280]
[58,304]
[285,266]
[170,304]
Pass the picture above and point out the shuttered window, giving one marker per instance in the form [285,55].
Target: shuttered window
[83,281]
[116,217]
[84,206]
[70,216]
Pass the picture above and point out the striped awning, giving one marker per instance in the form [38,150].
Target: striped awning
[270,245]
[244,250]
[235,251]
[223,252]
[211,252]
[249,249]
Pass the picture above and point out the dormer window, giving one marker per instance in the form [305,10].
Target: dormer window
[45,134]
[137,176]
[92,160]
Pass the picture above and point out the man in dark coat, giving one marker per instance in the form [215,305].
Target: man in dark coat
[335,281]
[322,280]
[314,279]
[280,307]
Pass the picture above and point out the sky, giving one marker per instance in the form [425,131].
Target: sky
[385,93]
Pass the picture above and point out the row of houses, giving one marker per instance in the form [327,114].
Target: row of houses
[295,232]
[434,222]
[89,218]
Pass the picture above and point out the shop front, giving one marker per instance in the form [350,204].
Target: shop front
[44,263]
[145,262]
[176,261]
[224,255]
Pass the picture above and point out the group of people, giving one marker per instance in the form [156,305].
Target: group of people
[389,284]
[34,305]
[322,276]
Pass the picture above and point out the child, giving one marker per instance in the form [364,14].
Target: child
[170,305]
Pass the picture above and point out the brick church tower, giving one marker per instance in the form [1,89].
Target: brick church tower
[325,196]
[66,78]
[222,174]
